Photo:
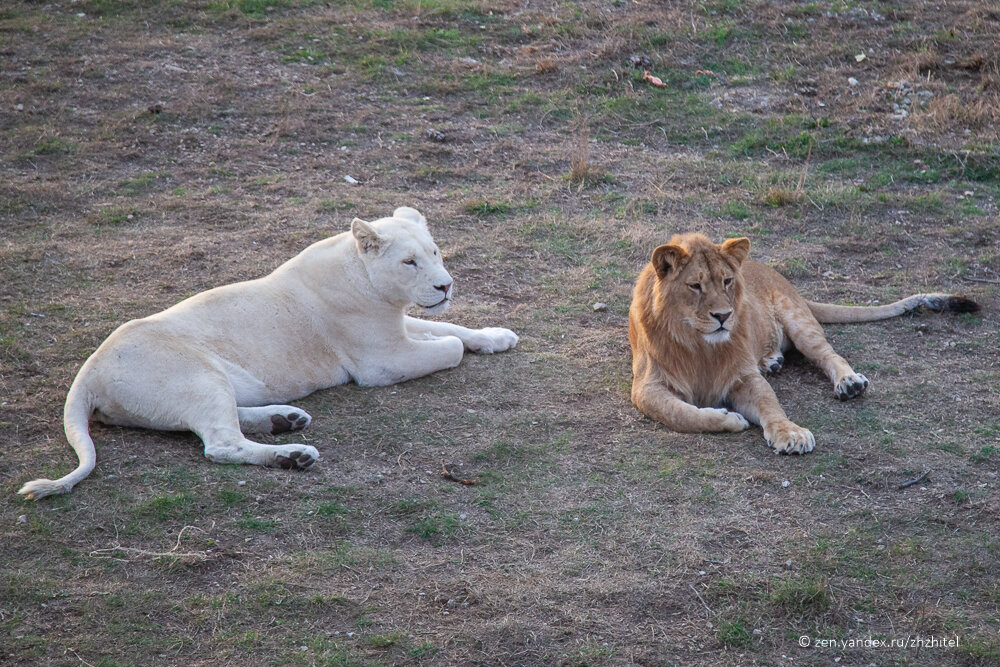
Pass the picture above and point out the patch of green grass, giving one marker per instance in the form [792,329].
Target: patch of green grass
[116,216]
[257,524]
[718,34]
[384,640]
[802,595]
[986,454]
[773,137]
[332,509]
[733,208]
[484,207]
[408,506]
[502,450]
[253,8]
[980,651]
[435,526]
[167,506]
[230,498]
[733,634]
[51,146]
[333,205]
[141,183]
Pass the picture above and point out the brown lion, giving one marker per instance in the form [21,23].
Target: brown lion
[706,323]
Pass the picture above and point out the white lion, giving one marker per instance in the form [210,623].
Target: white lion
[218,362]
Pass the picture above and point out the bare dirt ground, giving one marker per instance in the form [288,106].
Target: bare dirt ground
[149,153]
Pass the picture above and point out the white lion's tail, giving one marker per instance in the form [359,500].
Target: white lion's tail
[76,417]
[828,313]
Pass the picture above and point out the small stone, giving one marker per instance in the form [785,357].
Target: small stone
[640,62]
[852,81]
[434,135]
[23,518]
[785,484]
[600,307]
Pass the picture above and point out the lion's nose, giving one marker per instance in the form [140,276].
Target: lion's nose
[722,317]
[444,288]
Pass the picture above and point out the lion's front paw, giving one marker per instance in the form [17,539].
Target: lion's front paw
[295,457]
[728,420]
[788,438]
[491,339]
[773,364]
[851,386]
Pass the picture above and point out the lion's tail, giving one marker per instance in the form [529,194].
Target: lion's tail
[828,313]
[76,417]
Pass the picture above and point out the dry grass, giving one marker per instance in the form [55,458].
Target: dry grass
[548,171]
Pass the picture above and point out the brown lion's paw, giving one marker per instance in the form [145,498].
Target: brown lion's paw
[789,438]
[851,386]
[772,365]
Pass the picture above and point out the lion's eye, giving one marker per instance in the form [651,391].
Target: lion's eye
[410,262]
[727,282]
[695,286]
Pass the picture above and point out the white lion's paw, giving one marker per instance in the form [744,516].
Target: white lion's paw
[491,339]
[293,419]
[730,421]
[295,457]
[851,385]
[788,438]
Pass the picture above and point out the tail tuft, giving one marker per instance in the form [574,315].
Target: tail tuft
[960,304]
[949,303]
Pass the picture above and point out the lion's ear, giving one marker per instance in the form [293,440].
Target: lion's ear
[738,249]
[411,214]
[668,257]
[367,238]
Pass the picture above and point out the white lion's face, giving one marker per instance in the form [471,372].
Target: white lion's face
[402,260]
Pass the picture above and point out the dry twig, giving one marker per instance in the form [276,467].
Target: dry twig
[911,482]
[173,553]
[448,474]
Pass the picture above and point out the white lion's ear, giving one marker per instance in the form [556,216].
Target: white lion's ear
[411,214]
[367,238]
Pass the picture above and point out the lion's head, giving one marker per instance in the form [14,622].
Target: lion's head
[402,260]
[698,285]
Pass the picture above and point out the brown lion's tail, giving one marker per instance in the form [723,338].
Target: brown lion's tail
[828,313]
